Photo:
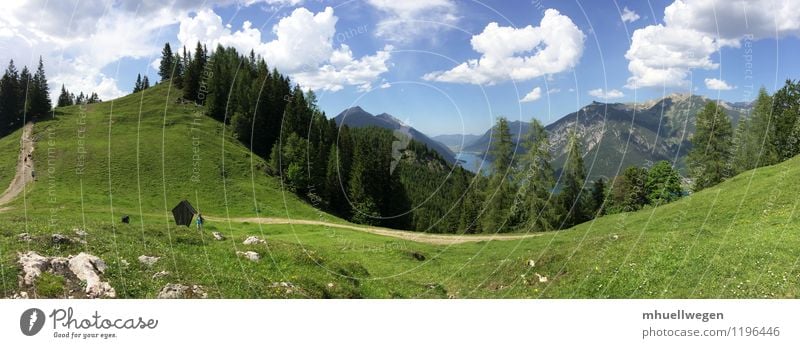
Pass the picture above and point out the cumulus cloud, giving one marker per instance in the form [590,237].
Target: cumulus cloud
[693,30]
[407,20]
[603,94]
[533,96]
[79,40]
[303,48]
[629,16]
[509,53]
[717,84]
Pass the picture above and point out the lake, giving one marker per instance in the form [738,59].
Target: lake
[473,161]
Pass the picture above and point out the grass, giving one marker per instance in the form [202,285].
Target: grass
[735,240]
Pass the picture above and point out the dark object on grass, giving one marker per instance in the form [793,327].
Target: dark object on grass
[126,219]
[183,213]
[418,256]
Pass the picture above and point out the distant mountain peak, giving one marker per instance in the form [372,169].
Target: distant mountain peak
[356,117]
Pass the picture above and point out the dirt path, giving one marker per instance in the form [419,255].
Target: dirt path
[443,239]
[24,167]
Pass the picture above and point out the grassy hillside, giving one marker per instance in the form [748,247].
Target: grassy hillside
[735,240]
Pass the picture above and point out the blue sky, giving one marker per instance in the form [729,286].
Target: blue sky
[403,57]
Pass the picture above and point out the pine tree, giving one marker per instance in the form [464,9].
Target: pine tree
[25,88]
[178,71]
[663,184]
[760,137]
[93,99]
[785,113]
[598,204]
[138,86]
[573,200]
[537,179]
[167,63]
[10,102]
[145,82]
[40,93]
[194,75]
[64,98]
[500,190]
[710,156]
[81,99]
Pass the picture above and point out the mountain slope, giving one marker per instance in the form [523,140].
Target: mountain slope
[356,117]
[615,136]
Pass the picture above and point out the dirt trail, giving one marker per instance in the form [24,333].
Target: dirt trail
[443,239]
[24,173]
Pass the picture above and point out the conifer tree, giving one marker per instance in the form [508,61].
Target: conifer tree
[10,101]
[537,181]
[138,86]
[572,200]
[167,63]
[499,193]
[710,156]
[64,98]
[40,104]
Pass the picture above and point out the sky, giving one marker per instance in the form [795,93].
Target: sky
[441,66]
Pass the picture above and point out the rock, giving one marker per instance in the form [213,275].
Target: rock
[160,274]
[531,263]
[79,232]
[59,265]
[254,240]
[542,279]
[60,239]
[250,255]
[217,235]
[33,265]
[178,291]
[148,261]
[24,237]
[88,269]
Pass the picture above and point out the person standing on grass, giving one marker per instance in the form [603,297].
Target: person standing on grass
[200,222]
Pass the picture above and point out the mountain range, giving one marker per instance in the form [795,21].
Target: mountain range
[614,135]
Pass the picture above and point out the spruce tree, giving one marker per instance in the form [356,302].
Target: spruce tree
[537,181]
[598,206]
[663,184]
[25,88]
[500,190]
[10,102]
[138,86]
[40,105]
[64,98]
[167,63]
[572,199]
[786,113]
[710,156]
[145,82]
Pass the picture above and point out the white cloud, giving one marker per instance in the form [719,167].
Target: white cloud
[407,20]
[79,40]
[303,48]
[553,90]
[629,16]
[509,53]
[663,56]
[603,94]
[533,96]
[693,30]
[717,85]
